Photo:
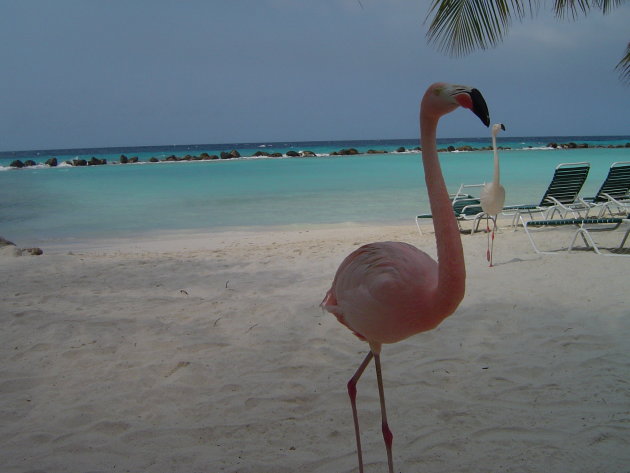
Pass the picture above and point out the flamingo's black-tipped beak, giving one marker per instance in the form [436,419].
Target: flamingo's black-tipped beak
[479,106]
[502,126]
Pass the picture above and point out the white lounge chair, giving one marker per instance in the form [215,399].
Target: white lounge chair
[583,227]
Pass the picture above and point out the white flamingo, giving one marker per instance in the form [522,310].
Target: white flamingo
[493,193]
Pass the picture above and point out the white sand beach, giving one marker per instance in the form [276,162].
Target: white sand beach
[209,353]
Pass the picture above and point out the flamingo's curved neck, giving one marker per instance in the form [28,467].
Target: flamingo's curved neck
[451,268]
[495,179]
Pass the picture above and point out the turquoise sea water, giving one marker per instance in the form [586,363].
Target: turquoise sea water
[42,204]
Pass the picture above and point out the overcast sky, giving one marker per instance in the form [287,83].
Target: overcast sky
[88,73]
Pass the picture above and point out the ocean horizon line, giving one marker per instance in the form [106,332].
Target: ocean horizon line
[284,144]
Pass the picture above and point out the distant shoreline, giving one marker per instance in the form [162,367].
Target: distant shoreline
[82,157]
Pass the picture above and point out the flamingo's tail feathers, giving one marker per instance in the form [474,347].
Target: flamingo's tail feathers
[330,304]
[328,301]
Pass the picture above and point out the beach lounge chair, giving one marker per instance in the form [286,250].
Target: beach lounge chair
[466,207]
[561,196]
[613,197]
[583,227]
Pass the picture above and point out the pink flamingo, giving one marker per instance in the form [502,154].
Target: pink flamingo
[385,292]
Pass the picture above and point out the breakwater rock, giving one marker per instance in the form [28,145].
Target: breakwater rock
[8,248]
[233,154]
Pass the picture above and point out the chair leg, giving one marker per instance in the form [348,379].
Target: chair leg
[588,240]
[625,237]
[477,222]
[418,225]
[531,239]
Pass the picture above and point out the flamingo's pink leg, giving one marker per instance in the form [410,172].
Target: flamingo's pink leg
[352,391]
[488,256]
[492,240]
[387,433]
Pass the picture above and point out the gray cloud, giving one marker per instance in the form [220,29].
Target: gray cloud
[113,73]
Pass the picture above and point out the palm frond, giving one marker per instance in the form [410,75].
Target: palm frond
[607,5]
[575,8]
[460,26]
[571,8]
[624,66]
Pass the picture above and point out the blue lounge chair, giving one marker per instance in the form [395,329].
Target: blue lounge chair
[465,206]
[613,197]
[560,197]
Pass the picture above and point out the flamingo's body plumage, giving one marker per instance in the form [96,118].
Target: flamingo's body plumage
[493,193]
[388,291]
[372,282]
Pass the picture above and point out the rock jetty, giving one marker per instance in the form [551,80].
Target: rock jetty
[233,154]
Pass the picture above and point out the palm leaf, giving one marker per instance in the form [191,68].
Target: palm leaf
[460,26]
[574,8]
[571,8]
[624,66]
